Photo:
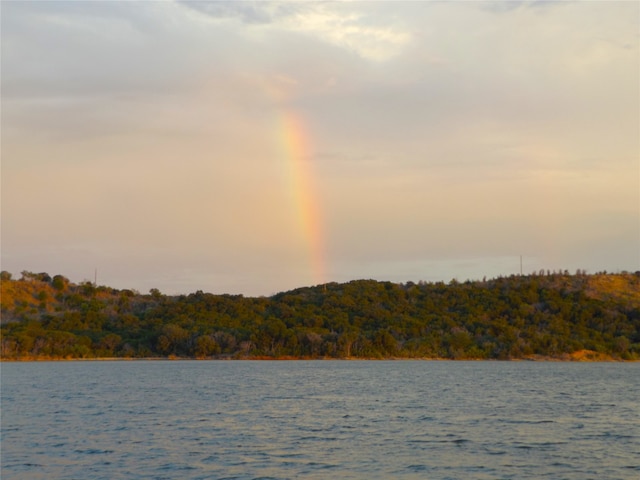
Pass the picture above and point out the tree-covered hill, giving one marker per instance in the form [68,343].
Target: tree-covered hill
[544,315]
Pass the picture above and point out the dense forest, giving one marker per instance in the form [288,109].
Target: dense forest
[545,315]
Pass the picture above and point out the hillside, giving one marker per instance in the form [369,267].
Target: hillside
[552,315]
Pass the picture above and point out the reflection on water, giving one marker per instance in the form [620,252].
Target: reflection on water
[320,419]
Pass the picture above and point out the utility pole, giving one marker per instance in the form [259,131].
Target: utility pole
[95,277]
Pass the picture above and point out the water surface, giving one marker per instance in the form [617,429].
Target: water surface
[320,419]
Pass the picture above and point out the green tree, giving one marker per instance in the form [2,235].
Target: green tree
[206,346]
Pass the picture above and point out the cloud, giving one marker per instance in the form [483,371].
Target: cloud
[508,6]
[249,12]
[91,49]
[378,43]
[338,24]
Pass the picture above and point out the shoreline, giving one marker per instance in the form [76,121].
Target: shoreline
[565,358]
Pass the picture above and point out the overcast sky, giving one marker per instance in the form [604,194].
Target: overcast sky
[255,147]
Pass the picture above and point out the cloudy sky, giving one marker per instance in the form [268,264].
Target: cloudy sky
[255,147]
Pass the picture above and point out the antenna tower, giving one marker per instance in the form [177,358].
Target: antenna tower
[520,265]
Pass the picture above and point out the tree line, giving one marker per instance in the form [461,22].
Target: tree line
[540,315]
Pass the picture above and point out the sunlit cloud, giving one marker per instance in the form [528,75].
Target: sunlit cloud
[348,31]
[332,22]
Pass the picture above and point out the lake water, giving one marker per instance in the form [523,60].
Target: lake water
[320,420]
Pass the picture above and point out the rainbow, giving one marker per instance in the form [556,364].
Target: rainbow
[295,145]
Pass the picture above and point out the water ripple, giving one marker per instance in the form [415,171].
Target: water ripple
[317,420]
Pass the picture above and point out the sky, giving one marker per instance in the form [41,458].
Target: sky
[256,147]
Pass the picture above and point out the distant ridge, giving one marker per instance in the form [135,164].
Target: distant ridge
[541,316]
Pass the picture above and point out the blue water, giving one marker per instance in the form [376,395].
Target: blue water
[320,420]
